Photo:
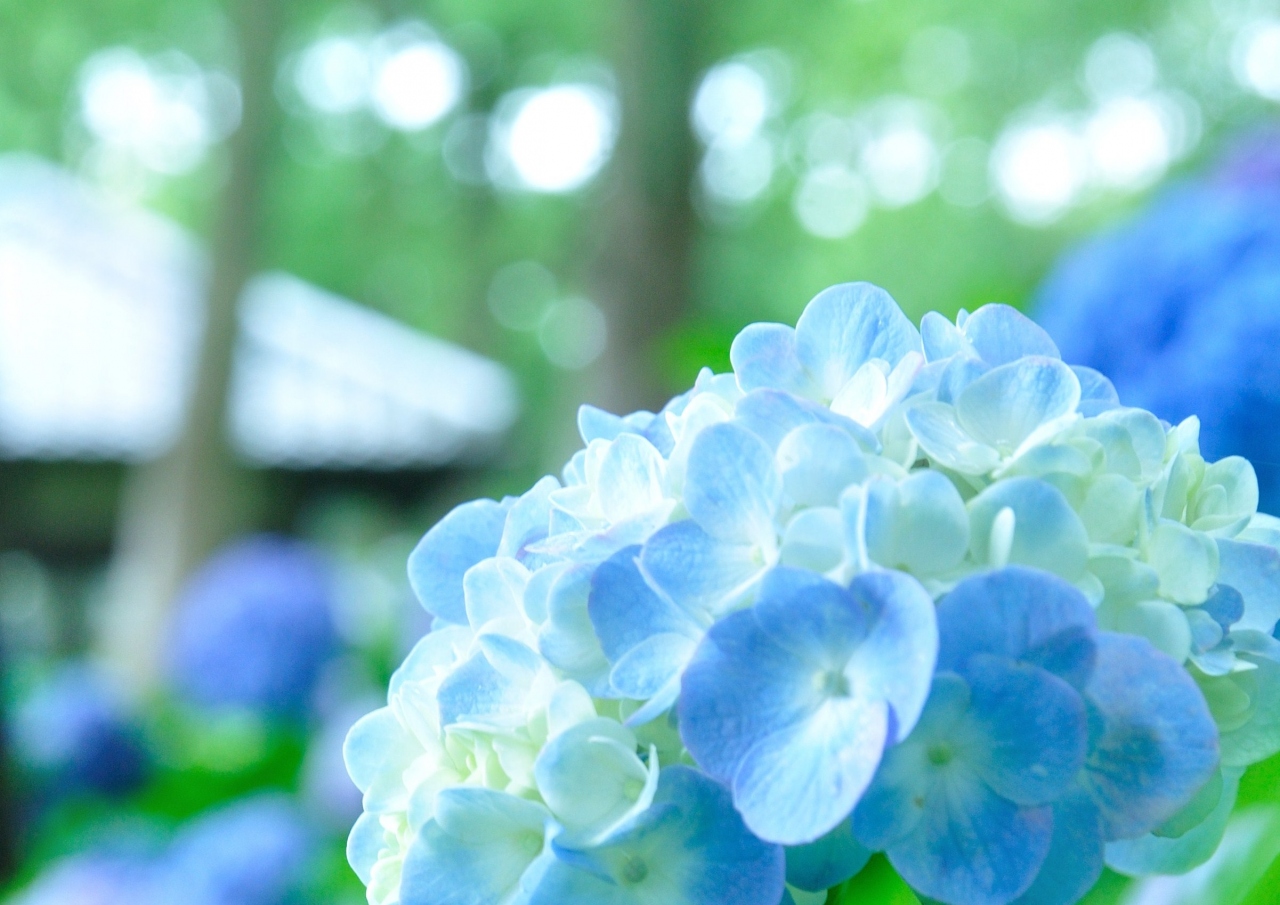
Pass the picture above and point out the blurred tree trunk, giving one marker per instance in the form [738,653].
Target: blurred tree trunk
[178,509]
[642,272]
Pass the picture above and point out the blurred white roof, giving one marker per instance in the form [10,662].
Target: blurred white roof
[100,317]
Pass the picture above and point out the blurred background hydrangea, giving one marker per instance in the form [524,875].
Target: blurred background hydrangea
[283,281]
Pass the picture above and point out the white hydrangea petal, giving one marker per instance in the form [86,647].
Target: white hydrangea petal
[1185,560]
[494,591]
[1004,406]
[1254,571]
[919,525]
[1047,533]
[846,326]
[813,540]
[1162,623]
[936,429]
[1000,334]
[632,478]
[1227,497]
[817,462]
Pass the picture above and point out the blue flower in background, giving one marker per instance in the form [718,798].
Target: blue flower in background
[1180,307]
[91,879]
[254,627]
[75,732]
[252,852]
[791,702]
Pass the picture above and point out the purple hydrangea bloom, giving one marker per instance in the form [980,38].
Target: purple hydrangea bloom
[254,627]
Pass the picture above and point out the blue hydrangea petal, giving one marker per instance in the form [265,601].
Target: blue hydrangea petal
[1254,571]
[943,440]
[479,692]
[739,688]
[476,849]
[625,609]
[826,862]
[1159,743]
[895,661]
[1047,532]
[772,414]
[798,783]
[764,356]
[464,537]
[648,667]
[1155,854]
[697,571]
[568,638]
[817,462]
[494,593]
[941,338]
[597,424]
[732,488]
[689,848]
[1022,614]
[894,803]
[528,520]
[1075,858]
[814,540]
[814,620]
[1001,334]
[973,847]
[1097,393]
[1030,730]
[1004,406]
[844,327]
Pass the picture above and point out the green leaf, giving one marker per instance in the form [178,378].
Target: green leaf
[876,884]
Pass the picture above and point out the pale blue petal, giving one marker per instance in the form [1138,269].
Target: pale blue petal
[1028,730]
[919,524]
[528,520]
[895,661]
[1075,858]
[732,488]
[625,610]
[1001,334]
[848,325]
[957,375]
[943,440]
[475,851]
[632,478]
[817,462]
[826,862]
[764,356]
[1254,571]
[1259,736]
[1097,393]
[697,571]
[798,783]
[894,803]
[973,847]
[815,620]
[738,689]
[1047,532]
[1158,744]
[365,844]
[568,639]
[644,670]
[477,692]
[464,537]
[494,591]
[1152,854]
[376,744]
[689,848]
[940,337]
[1021,614]
[597,424]
[772,414]
[1002,407]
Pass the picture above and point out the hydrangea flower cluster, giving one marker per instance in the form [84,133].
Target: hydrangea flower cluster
[253,628]
[932,593]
